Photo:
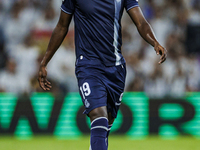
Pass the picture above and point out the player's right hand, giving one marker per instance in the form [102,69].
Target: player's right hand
[43,82]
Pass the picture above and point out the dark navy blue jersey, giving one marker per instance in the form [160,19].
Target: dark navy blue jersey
[98,28]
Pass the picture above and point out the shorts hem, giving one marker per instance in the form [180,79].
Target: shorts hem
[87,111]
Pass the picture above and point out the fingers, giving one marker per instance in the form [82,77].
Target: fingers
[48,82]
[48,87]
[163,52]
[44,83]
[163,57]
[162,60]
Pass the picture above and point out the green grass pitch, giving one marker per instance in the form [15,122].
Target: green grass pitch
[115,143]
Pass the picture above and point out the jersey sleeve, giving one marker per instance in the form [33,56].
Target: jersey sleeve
[68,6]
[130,4]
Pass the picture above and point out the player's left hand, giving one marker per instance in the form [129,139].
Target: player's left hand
[161,51]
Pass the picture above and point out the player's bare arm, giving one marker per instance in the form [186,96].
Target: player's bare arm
[57,38]
[146,32]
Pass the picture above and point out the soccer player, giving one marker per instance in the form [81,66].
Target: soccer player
[100,66]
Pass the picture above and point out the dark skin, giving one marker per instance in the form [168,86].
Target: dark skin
[60,32]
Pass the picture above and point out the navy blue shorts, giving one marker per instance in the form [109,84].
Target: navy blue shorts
[100,85]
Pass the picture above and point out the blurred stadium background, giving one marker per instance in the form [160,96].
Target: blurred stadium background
[161,104]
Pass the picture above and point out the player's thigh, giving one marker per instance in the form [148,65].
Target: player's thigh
[94,96]
[98,112]
[115,91]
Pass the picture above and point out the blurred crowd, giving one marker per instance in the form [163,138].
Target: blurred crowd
[26,26]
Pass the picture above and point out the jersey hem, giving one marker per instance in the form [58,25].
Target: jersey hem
[80,63]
